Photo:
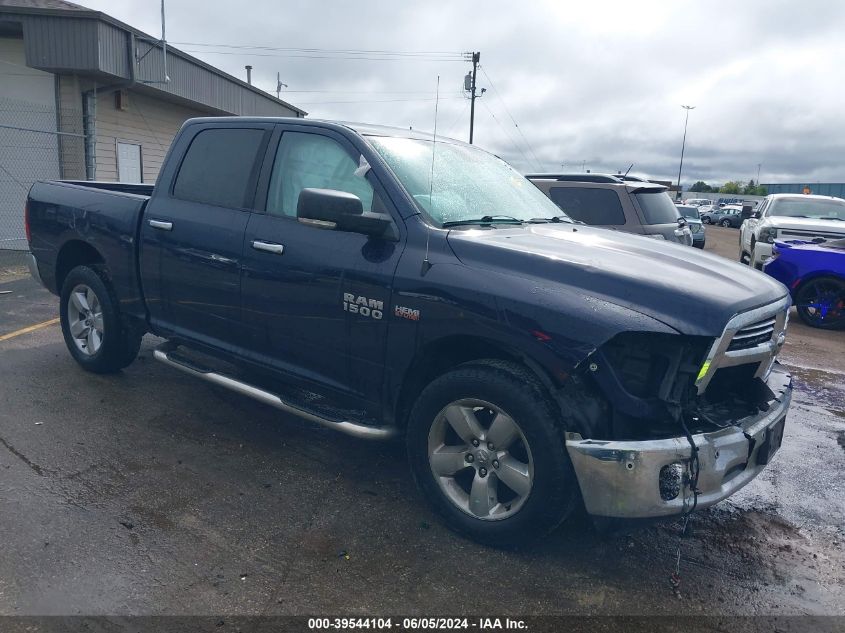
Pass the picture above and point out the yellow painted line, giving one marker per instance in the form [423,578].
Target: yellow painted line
[27,330]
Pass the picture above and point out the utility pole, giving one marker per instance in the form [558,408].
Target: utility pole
[279,85]
[758,173]
[475,59]
[683,146]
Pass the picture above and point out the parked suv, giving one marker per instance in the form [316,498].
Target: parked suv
[789,217]
[607,201]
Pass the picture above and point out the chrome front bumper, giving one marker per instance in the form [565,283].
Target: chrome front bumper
[622,478]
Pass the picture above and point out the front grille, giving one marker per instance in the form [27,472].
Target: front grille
[792,234]
[753,335]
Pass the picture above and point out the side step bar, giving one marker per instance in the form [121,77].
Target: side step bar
[350,428]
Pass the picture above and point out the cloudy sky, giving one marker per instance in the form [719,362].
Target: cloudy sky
[597,84]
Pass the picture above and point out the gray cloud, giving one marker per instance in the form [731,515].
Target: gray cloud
[601,83]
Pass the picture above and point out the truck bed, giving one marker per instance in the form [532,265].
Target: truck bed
[65,216]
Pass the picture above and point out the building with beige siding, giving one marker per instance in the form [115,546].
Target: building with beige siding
[86,97]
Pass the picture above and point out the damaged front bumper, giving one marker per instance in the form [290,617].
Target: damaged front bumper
[637,479]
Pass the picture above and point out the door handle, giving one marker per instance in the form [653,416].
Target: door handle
[268,247]
[161,225]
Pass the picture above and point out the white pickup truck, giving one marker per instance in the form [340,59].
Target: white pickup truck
[788,216]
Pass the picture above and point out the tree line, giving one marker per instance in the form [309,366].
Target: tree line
[732,186]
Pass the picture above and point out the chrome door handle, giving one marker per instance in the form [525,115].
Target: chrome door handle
[268,247]
[162,225]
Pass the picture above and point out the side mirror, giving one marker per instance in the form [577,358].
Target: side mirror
[755,215]
[339,210]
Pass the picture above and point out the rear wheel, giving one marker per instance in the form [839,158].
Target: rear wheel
[94,331]
[821,303]
[488,451]
[725,223]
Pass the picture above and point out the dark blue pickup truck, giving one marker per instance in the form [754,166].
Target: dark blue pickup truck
[382,282]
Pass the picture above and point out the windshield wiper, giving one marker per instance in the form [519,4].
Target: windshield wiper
[555,219]
[485,219]
[832,218]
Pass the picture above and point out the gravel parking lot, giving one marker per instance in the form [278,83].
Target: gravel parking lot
[149,492]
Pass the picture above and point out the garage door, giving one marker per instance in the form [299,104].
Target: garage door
[29,148]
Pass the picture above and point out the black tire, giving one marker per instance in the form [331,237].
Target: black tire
[725,223]
[820,303]
[515,391]
[119,342]
[705,220]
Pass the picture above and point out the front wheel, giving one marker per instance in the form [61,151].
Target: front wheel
[487,450]
[821,303]
[94,331]
[705,220]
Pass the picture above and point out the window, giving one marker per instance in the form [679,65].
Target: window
[690,213]
[218,166]
[657,207]
[306,161]
[453,182]
[600,207]
[816,208]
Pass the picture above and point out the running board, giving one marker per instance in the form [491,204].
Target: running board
[354,429]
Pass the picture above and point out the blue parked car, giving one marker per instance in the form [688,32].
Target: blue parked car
[814,272]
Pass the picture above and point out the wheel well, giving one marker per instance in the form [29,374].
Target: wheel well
[813,277]
[72,254]
[440,356]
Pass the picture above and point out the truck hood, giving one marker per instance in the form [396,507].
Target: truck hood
[806,225]
[693,292]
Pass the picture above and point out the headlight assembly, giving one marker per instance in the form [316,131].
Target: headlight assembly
[768,234]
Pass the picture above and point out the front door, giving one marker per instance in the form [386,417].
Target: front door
[317,299]
[193,232]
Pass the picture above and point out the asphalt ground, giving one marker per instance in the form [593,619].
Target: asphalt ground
[149,492]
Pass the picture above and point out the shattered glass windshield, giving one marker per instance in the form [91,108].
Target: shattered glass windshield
[468,183]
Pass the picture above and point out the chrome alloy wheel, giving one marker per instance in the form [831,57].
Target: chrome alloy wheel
[85,319]
[480,459]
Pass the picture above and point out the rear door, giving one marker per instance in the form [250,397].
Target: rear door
[193,230]
[316,300]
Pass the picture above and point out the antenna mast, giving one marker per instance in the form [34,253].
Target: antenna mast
[426,265]
[164,44]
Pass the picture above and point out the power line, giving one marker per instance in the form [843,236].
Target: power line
[331,51]
[457,118]
[335,57]
[363,92]
[507,133]
[513,120]
[375,101]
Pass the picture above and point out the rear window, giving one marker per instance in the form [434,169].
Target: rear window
[600,207]
[218,167]
[691,213]
[657,207]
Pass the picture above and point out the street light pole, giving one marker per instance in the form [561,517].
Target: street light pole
[758,173]
[683,146]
